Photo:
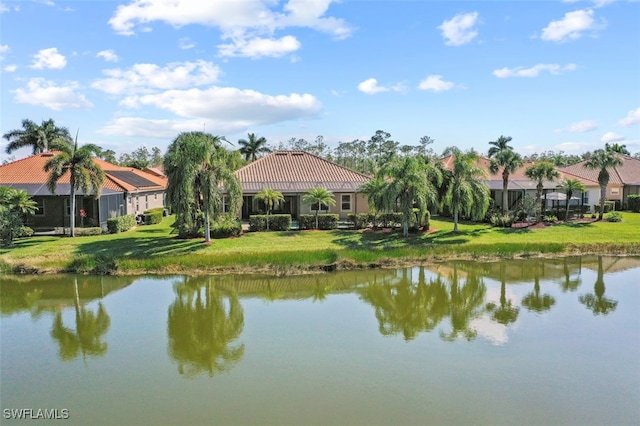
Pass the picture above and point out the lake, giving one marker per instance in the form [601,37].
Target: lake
[537,341]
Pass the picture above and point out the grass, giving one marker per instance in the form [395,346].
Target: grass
[154,249]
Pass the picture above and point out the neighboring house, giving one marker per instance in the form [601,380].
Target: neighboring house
[624,180]
[295,172]
[125,191]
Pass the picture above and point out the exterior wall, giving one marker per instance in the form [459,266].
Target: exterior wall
[629,190]
[53,215]
[358,204]
[141,201]
[614,192]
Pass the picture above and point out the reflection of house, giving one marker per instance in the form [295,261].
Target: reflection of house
[125,191]
[624,180]
[295,172]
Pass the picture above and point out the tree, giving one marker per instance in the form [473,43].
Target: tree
[409,185]
[375,190]
[199,171]
[271,199]
[15,204]
[107,155]
[541,172]
[602,160]
[156,156]
[569,186]
[381,148]
[319,196]
[465,193]
[252,147]
[502,144]
[509,161]
[41,138]
[83,172]
[620,149]
[596,301]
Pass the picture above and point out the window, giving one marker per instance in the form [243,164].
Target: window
[40,207]
[225,204]
[319,207]
[345,202]
[146,202]
[585,198]
[155,196]
[615,191]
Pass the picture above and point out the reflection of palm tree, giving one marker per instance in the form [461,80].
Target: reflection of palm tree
[538,302]
[506,313]
[465,304]
[569,284]
[87,338]
[201,326]
[596,302]
[321,290]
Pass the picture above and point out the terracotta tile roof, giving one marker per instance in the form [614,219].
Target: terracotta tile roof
[297,171]
[579,170]
[28,173]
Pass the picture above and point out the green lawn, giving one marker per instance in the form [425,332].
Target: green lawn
[153,248]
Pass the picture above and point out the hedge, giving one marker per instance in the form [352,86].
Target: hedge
[389,220]
[153,216]
[325,221]
[277,222]
[361,220]
[634,203]
[227,226]
[121,223]
[84,232]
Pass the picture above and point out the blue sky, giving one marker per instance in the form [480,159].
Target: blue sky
[554,75]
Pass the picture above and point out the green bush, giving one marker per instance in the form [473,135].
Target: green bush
[120,223]
[634,202]
[608,206]
[325,221]
[360,220]
[277,222]
[390,220]
[613,217]
[25,231]
[227,226]
[502,220]
[418,222]
[550,218]
[257,222]
[84,232]
[153,216]
[306,221]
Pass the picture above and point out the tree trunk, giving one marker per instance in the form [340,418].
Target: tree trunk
[72,206]
[603,197]
[505,194]
[566,215]
[540,206]
[267,219]
[207,227]
[317,216]
[455,219]
[405,225]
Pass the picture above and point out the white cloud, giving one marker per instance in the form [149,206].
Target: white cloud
[4,48]
[633,117]
[161,129]
[460,29]
[146,77]
[108,55]
[533,71]
[582,126]
[45,93]
[611,137]
[572,26]
[259,47]
[48,58]
[10,68]
[186,43]
[370,87]
[435,83]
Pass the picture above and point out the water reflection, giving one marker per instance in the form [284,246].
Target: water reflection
[506,313]
[570,284]
[203,322]
[596,302]
[537,302]
[466,303]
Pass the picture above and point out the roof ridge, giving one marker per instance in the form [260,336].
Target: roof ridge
[333,164]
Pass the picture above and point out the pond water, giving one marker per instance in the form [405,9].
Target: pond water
[518,342]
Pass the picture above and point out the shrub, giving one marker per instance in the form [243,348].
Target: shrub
[608,206]
[280,222]
[257,222]
[550,218]
[121,223]
[360,220]
[501,220]
[416,222]
[227,226]
[613,217]
[84,232]
[153,216]
[25,231]
[634,202]
[306,221]
[390,220]
[325,221]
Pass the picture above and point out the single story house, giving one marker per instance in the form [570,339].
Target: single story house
[125,191]
[295,172]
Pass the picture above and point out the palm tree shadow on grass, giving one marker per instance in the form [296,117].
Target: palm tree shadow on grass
[140,247]
[379,240]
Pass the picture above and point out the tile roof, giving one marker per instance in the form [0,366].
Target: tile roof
[28,173]
[297,171]
[580,171]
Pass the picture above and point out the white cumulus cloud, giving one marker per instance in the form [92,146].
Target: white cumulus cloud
[572,26]
[149,77]
[107,55]
[460,29]
[435,83]
[582,126]
[611,137]
[371,87]
[633,117]
[10,68]
[259,47]
[533,71]
[46,93]
[48,58]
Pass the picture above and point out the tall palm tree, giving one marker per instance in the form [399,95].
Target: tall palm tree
[197,168]
[409,185]
[375,190]
[569,186]
[271,199]
[541,172]
[83,171]
[252,147]
[603,160]
[509,161]
[41,137]
[615,147]
[502,144]
[319,196]
[466,193]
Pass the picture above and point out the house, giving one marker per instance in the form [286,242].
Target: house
[295,172]
[125,191]
[624,180]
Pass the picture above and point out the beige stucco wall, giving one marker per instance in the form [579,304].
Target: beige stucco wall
[138,203]
[358,204]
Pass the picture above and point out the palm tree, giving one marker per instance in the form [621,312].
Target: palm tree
[271,199]
[620,149]
[199,170]
[409,185]
[41,137]
[510,162]
[465,192]
[17,200]
[375,190]
[541,172]
[84,173]
[569,186]
[253,147]
[502,144]
[319,196]
[602,160]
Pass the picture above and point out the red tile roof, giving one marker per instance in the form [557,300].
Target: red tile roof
[626,174]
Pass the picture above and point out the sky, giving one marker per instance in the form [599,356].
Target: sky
[553,75]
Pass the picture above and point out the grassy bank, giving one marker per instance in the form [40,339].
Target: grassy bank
[153,249]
